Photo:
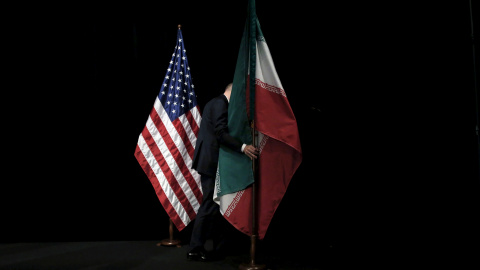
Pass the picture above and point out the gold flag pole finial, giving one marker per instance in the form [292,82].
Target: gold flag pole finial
[179,26]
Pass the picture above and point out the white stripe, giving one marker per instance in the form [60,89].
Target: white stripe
[188,130]
[172,131]
[197,118]
[169,193]
[262,140]
[227,200]
[265,69]
[193,140]
[169,159]
[196,115]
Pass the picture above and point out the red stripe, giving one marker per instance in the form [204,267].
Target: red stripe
[158,190]
[184,168]
[274,183]
[241,215]
[173,182]
[176,153]
[178,159]
[192,122]
[275,117]
[183,135]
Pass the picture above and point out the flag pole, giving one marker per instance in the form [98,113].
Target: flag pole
[170,241]
[253,238]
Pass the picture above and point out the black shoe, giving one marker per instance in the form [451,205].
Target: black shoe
[197,254]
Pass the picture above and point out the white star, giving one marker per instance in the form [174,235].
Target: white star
[182,105]
[168,102]
[170,94]
[191,93]
[179,40]
[181,72]
[181,65]
[184,50]
[179,47]
[183,58]
[189,101]
[173,111]
[185,84]
[171,62]
[166,77]
[163,92]
[176,95]
[164,85]
[187,75]
[188,68]
[184,98]
[175,103]
[193,86]
[168,69]
[179,80]
[171,86]
[178,87]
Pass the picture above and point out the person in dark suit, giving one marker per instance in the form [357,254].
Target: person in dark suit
[213,133]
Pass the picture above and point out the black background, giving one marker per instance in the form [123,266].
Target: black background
[383,94]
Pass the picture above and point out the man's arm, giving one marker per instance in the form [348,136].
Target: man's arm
[221,127]
[250,151]
[221,132]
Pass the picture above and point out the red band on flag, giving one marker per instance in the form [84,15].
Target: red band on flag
[168,174]
[177,158]
[158,190]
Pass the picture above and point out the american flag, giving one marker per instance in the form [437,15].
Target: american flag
[166,145]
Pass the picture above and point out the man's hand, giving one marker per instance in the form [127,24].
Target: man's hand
[250,151]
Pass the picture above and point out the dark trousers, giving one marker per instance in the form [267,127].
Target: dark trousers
[209,223]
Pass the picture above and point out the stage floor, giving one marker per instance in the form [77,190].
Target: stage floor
[138,255]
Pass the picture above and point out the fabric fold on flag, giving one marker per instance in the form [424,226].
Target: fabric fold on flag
[166,145]
[257,90]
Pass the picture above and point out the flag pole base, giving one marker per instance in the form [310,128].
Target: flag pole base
[249,266]
[252,265]
[169,242]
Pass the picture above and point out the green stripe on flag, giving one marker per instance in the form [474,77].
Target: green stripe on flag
[235,168]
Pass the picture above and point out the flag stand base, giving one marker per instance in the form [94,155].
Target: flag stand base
[170,242]
[252,265]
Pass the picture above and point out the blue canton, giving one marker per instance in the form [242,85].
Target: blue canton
[176,94]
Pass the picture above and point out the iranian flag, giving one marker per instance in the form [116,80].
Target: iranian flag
[263,97]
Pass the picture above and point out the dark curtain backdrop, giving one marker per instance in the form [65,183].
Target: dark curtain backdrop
[383,95]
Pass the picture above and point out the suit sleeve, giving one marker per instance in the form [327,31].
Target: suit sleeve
[221,128]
